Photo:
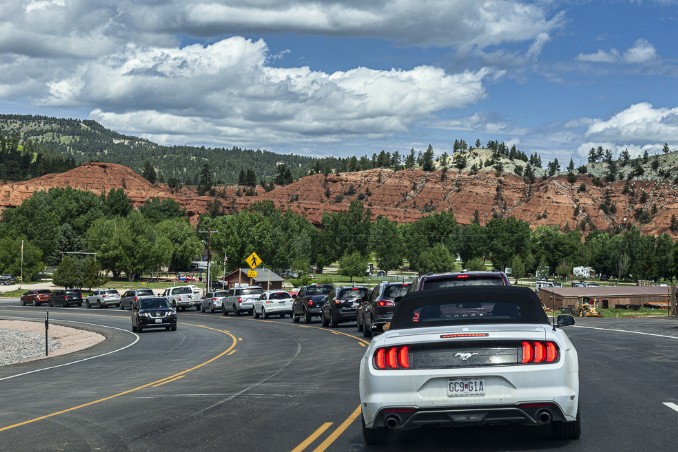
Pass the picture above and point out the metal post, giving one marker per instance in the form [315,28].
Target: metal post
[46,333]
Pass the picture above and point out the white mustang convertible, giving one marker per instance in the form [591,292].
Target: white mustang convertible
[462,356]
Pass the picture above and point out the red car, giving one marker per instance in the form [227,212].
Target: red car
[36,297]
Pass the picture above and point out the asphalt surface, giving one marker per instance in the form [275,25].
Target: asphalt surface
[240,384]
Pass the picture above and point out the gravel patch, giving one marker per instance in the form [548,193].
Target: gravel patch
[22,341]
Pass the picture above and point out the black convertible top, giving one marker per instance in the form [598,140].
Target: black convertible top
[468,305]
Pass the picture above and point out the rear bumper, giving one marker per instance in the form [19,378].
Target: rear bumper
[525,414]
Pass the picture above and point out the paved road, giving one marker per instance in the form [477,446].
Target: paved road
[227,383]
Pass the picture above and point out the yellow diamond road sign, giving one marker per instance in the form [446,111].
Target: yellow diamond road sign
[251,273]
[253,261]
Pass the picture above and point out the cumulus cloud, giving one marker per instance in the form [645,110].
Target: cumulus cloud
[640,53]
[637,129]
[230,87]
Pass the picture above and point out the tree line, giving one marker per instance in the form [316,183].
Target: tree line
[62,223]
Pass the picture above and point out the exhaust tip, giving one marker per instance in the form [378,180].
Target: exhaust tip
[392,421]
[544,416]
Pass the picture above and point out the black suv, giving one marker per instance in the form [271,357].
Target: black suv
[309,301]
[342,304]
[377,310]
[65,297]
[153,312]
[456,279]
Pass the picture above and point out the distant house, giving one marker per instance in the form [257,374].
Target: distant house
[606,297]
[265,278]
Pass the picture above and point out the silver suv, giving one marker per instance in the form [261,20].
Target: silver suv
[103,298]
[241,299]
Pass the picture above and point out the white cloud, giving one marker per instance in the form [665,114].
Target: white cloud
[641,52]
[599,57]
[640,123]
[240,98]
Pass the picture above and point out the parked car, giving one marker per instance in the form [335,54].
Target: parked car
[7,280]
[153,312]
[273,302]
[65,297]
[377,310]
[182,297]
[213,301]
[103,298]
[342,305]
[309,301]
[36,297]
[456,279]
[241,299]
[197,292]
[463,356]
[130,296]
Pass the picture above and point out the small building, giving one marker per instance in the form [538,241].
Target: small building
[265,278]
[606,296]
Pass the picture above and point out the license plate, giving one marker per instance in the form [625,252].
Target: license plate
[461,387]
[158,320]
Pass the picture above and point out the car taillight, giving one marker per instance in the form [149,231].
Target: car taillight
[310,304]
[539,352]
[136,298]
[239,299]
[67,297]
[462,276]
[388,358]
[383,303]
[214,298]
[338,301]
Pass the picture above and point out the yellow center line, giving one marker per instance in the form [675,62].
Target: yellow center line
[130,391]
[313,437]
[335,434]
[169,381]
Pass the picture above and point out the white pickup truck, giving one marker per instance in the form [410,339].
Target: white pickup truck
[182,297]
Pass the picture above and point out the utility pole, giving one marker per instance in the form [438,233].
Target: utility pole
[209,233]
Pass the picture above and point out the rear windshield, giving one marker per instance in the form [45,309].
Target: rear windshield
[141,292]
[154,303]
[253,291]
[279,296]
[456,282]
[181,290]
[315,290]
[396,290]
[352,293]
[44,291]
[111,291]
[221,293]
[73,292]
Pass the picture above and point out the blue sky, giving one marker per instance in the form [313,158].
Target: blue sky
[352,77]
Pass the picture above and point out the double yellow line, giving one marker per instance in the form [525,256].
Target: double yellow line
[330,439]
[153,384]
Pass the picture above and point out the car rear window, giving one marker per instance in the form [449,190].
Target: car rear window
[395,290]
[253,291]
[44,291]
[142,292]
[72,292]
[352,293]
[180,290]
[318,290]
[221,293]
[468,305]
[463,281]
[111,291]
[279,296]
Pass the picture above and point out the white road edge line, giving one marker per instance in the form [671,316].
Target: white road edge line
[671,405]
[80,360]
[625,331]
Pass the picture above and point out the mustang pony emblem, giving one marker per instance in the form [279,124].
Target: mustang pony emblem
[464,356]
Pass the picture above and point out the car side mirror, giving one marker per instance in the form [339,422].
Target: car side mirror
[565,320]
